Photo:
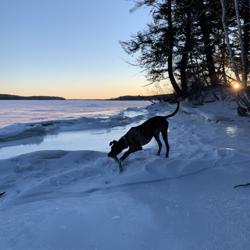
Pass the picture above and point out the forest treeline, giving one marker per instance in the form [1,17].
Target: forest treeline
[195,44]
[18,97]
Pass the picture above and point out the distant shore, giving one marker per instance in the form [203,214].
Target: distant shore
[163,97]
[17,97]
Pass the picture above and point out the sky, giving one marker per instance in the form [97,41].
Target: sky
[69,48]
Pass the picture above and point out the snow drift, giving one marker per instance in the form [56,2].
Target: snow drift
[78,200]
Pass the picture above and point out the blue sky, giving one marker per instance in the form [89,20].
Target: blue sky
[68,48]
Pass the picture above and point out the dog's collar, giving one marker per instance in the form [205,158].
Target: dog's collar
[125,140]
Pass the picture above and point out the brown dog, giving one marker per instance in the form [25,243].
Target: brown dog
[138,136]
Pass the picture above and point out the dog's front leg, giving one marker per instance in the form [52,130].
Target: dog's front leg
[131,150]
[119,163]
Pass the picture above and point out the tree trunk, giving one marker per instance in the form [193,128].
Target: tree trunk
[184,60]
[242,48]
[230,51]
[246,37]
[170,50]
[224,75]
[206,31]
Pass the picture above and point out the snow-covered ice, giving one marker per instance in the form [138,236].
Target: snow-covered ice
[76,199]
[31,111]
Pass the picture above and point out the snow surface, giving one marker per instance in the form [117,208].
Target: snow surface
[61,199]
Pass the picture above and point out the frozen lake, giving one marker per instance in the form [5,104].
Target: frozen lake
[13,112]
[89,125]
[96,140]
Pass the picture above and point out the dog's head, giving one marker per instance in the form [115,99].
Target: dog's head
[116,148]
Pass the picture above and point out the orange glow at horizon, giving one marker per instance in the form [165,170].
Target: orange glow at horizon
[93,90]
[78,93]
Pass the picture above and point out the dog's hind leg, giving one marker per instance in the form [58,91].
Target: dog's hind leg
[157,138]
[165,138]
[131,150]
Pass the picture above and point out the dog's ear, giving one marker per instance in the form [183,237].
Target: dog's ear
[112,143]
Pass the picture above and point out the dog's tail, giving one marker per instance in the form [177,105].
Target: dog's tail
[176,110]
